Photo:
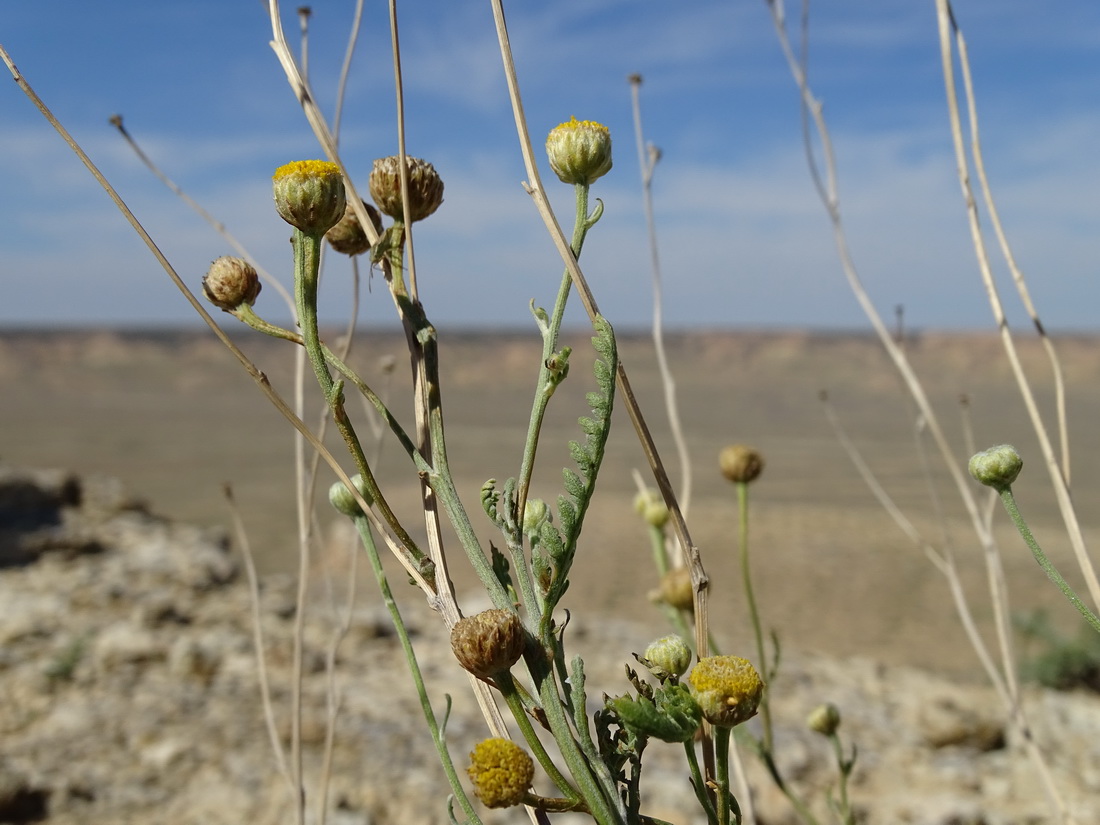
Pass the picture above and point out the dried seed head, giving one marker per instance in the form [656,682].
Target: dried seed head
[231,282]
[740,463]
[348,236]
[996,467]
[676,589]
[501,771]
[727,688]
[488,643]
[425,187]
[579,151]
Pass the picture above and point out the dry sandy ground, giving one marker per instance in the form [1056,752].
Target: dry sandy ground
[174,417]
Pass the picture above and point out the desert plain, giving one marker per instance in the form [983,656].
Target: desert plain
[174,416]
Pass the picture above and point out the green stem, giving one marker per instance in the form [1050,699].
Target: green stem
[601,808]
[363,526]
[1052,573]
[754,611]
[307,257]
[507,686]
[545,386]
[799,806]
[845,769]
[658,546]
[421,337]
[699,784]
[722,773]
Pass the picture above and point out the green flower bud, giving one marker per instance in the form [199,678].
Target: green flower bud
[740,463]
[309,195]
[668,656]
[425,187]
[501,771]
[579,151]
[344,502]
[231,282]
[727,688]
[824,719]
[649,505]
[488,643]
[535,514]
[996,467]
[348,237]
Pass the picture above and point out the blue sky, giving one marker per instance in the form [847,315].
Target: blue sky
[744,242]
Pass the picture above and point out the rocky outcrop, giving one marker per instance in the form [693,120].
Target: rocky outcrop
[129,693]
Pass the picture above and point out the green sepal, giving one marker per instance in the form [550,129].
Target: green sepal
[671,715]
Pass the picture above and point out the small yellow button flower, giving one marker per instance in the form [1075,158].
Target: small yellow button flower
[727,688]
[501,772]
[579,151]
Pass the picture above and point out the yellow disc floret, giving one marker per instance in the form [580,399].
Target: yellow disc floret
[727,688]
[309,195]
[579,151]
[501,772]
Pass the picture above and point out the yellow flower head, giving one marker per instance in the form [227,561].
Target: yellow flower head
[501,772]
[579,151]
[309,195]
[727,688]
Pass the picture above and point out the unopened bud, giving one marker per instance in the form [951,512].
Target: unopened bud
[579,151]
[996,467]
[668,656]
[824,719]
[535,514]
[649,505]
[341,498]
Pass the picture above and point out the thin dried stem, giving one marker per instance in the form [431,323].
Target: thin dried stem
[648,157]
[425,407]
[215,224]
[402,167]
[533,186]
[345,69]
[827,190]
[948,27]
[258,639]
[314,116]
